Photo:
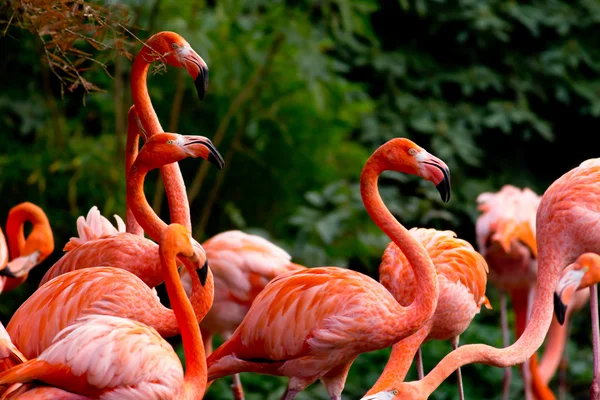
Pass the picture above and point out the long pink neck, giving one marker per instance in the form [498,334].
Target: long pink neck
[424,305]
[549,260]
[174,185]
[131,152]
[194,384]
[143,213]
[400,360]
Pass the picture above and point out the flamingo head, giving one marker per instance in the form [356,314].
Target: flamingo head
[177,52]
[176,238]
[405,156]
[167,148]
[584,272]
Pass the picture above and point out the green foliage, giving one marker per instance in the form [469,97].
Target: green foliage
[300,94]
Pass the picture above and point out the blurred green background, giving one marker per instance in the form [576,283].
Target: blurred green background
[300,94]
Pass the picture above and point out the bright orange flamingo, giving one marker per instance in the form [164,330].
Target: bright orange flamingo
[53,312]
[242,265]
[311,324]
[583,273]
[462,277]
[566,225]
[171,48]
[108,357]
[25,253]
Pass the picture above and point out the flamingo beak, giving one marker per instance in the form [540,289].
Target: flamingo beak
[565,288]
[200,254]
[436,171]
[197,68]
[21,266]
[200,146]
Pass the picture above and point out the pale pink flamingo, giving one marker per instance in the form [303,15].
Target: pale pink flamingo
[583,273]
[242,265]
[567,224]
[311,324]
[53,312]
[108,357]
[25,253]
[462,277]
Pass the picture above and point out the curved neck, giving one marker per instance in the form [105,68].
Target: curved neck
[424,306]
[526,344]
[131,152]
[400,360]
[179,207]
[194,384]
[143,213]
[15,227]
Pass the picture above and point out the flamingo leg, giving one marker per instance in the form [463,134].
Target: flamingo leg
[461,393]
[236,385]
[527,378]
[420,364]
[505,343]
[595,389]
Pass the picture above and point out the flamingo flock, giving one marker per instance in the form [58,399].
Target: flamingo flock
[95,327]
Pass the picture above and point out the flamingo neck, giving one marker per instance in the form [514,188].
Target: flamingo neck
[526,344]
[15,227]
[400,360]
[424,305]
[194,384]
[131,152]
[179,207]
[143,213]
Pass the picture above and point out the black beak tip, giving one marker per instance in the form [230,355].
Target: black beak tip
[559,309]
[203,273]
[7,273]
[216,159]
[444,189]
[201,83]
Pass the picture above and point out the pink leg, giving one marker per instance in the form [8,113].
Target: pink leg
[420,373]
[595,389]
[505,343]
[461,393]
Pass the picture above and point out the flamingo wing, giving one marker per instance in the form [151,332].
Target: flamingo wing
[105,357]
[94,226]
[100,290]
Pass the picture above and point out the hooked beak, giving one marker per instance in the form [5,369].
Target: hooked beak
[196,258]
[200,146]
[438,172]
[21,266]
[565,288]
[197,68]
[383,395]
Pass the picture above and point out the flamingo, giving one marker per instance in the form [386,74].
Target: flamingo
[506,237]
[25,253]
[242,265]
[567,223]
[583,273]
[311,324]
[462,276]
[174,50]
[109,357]
[54,312]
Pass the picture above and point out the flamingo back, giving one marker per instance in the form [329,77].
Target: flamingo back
[93,226]
[101,290]
[106,357]
[462,276]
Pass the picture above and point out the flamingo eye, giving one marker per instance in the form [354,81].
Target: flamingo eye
[412,151]
[169,142]
[174,45]
[395,391]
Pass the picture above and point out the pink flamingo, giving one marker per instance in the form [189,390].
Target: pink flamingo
[25,253]
[462,277]
[108,357]
[54,312]
[583,273]
[311,324]
[242,265]
[566,225]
